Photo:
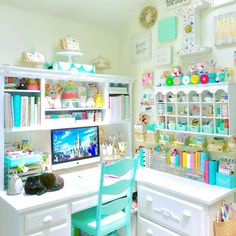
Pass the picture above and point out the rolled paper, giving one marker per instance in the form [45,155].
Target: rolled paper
[197,161]
[184,159]
[167,159]
[213,166]
[193,161]
[203,157]
[172,160]
[177,159]
[206,171]
[181,159]
[188,162]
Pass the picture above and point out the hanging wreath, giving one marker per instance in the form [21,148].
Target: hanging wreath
[148,16]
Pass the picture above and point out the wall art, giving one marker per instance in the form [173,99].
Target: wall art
[162,56]
[175,3]
[225,29]
[167,29]
[141,48]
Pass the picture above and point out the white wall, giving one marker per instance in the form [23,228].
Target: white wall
[22,30]
[223,56]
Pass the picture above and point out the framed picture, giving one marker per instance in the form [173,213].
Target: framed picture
[217,3]
[225,26]
[162,56]
[175,3]
[141,48]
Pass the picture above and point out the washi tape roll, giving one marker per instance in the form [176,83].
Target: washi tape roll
[204,78]
[177,81]
[194,79]
[186,80]
[169,81]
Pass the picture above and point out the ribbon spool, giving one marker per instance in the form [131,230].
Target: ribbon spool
[169,81]
[204,78]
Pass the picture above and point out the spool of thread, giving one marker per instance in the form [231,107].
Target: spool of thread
[206,171]
[188,160]
[193,161]
[213,166]
[203,158]
[184,159]
[177,159]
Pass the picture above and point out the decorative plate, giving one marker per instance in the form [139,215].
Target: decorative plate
[148,17]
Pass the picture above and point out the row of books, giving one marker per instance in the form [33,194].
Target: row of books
[21,111]
[119,107]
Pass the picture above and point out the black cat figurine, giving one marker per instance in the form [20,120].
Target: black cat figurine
[40,184]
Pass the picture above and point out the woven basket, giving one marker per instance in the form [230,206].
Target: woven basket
[227,228]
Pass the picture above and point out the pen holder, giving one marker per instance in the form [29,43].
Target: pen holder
[227,228]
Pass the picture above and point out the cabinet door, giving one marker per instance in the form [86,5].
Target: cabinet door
[61,230]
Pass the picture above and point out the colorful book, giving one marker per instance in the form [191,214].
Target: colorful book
[17,110]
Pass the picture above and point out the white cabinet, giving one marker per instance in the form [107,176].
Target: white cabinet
[206,109]
[171,205]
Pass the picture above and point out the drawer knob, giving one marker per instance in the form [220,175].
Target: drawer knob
[187,213]
[149,232]
[47,219]
[149,199]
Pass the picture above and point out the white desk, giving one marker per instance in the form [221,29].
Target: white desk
[50,213]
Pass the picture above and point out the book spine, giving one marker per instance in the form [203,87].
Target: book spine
[17,110]
[32,111]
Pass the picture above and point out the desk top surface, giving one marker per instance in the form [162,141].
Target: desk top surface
[84,184]
[189,189]
[77,185]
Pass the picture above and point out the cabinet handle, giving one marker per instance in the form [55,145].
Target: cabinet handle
[149,199]
[47,219]
[187,213]
[167,213]
[149,232]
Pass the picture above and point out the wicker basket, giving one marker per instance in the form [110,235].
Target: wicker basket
[227,228]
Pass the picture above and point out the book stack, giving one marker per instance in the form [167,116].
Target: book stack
[119,107]
[21,111]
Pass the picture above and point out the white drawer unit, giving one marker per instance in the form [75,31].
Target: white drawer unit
[147,228]
[173,205]
[46,220]
[60,230]
[178,215]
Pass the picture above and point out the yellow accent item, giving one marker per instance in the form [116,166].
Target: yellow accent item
[184,159]
[98,100]
[194,79]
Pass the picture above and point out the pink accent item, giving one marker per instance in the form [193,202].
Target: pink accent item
[32,87]
[206,171]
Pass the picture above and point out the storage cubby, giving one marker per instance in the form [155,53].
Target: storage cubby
[202,108]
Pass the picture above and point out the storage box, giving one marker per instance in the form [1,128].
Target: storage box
[222,131]
[194,128]
[226,181]
[227,228]
[26,160]
[181,127]
[208,129]
[171,127]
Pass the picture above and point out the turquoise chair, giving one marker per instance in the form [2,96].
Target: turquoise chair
[114,200]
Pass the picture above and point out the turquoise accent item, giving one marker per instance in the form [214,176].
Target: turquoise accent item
[167,29]
[73,67]
[113,213]
[226,181]
[213,167]
[142,157]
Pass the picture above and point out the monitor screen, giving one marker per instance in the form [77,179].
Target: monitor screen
[74,146]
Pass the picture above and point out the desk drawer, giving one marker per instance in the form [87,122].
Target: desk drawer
[83,204]
[147,228]
[46,219]
[173,213]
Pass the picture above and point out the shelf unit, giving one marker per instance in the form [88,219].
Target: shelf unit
[199,109]
[41,129]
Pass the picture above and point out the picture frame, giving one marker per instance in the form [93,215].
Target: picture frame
[141,48]
[162,56]
[171,4]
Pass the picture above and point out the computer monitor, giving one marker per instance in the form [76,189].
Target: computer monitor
[74,146]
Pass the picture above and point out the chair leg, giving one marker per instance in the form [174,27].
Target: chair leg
[72,230]
[127,230]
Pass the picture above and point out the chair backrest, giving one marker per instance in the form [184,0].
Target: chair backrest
[116,188]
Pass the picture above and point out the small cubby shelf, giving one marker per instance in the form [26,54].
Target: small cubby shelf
[199,109]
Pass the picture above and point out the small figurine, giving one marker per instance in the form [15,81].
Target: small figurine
[22,84]
[98,100]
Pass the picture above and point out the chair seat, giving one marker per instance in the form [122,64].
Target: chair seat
[86,221]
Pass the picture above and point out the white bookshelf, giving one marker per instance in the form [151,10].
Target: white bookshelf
[41,131]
